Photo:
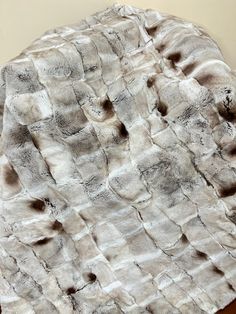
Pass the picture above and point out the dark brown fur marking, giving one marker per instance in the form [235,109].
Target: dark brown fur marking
[108,257]
[227,115]
[122,131]
[161,47]
[37,205]
[95,238]
[11,177]
[207,78]
[217,270]
[92,277]
[228,191]
[162,108]
[42,241]
[232,151]
[174,57]
[231,287]
[35,142]
[232,217]
[189,68]
[201,254]
[184,239]
[70,290]
[57,225]
[108,107]
[150,82]
[85,219]
[151,31]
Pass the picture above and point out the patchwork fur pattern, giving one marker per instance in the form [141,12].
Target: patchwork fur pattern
[118,178]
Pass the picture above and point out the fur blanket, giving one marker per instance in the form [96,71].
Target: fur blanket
[118,175]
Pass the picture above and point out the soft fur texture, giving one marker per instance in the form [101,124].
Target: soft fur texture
[118,174]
